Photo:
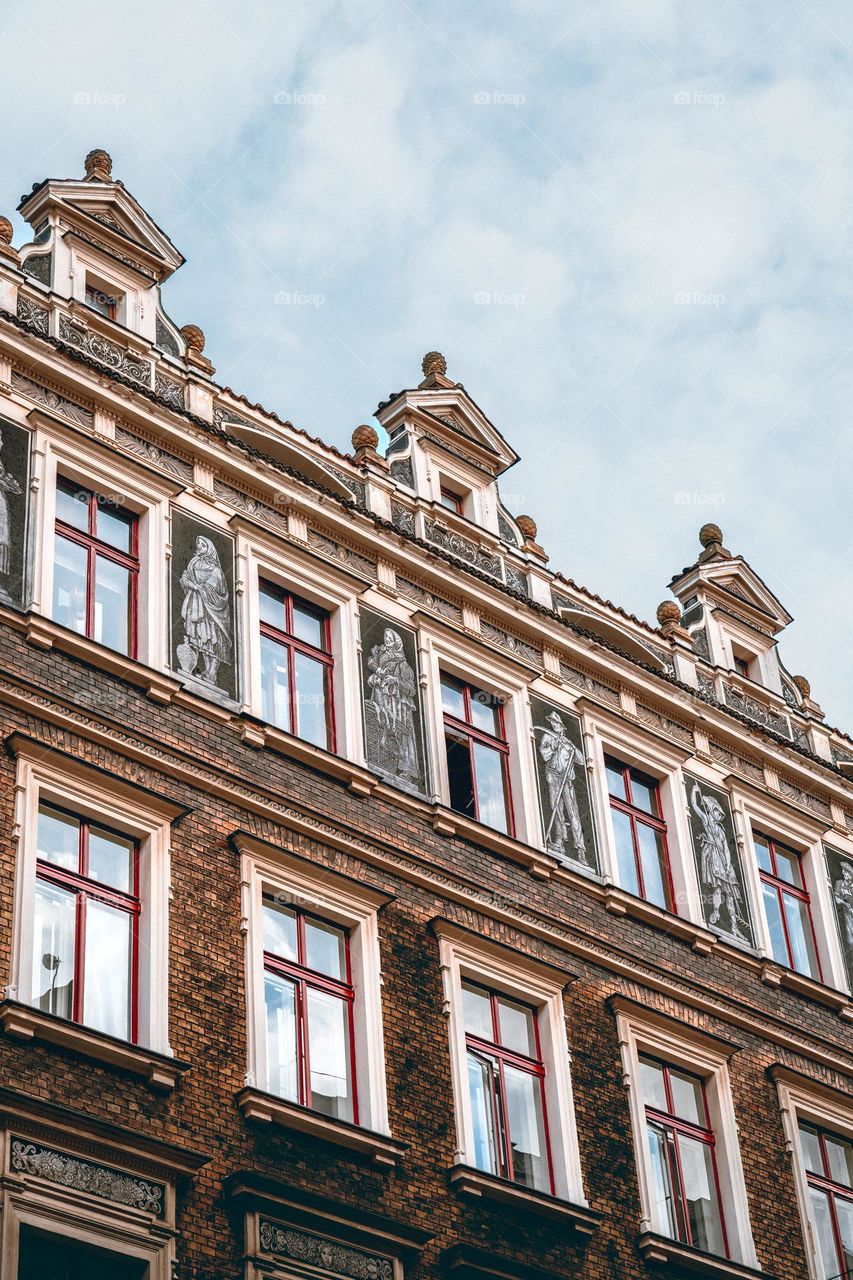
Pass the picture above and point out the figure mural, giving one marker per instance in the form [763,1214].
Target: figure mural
[841,880]
[14,492]
[564,798]
[391,701]
[8,485]
[562,759]
[204,626]
[720,880]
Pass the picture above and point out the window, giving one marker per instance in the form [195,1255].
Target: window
[741,666]
[828,1162]
[506,1080]
[682,1157]
[102,299]
[639,831]
[96,567]
[477,754]
[787,907]
[85,927]
[47,1257]
[450,500]
[309,1010]
[296,666]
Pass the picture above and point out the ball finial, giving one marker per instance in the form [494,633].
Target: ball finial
[98,165]
[803,685]
[710,533]
[365,437]
[5,231]
[434,362]
[528,527]
[194,337]
[668,612]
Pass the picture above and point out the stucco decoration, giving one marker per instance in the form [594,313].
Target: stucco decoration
[393,715]
[14,497]
[203,628]
[34,1160]
[718,865]
[327,1256]
[564,797]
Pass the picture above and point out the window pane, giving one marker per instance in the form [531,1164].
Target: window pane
[111,859]
[762,853]
[491,799]
[72,505]
[652,1084]
[69,584]
[282,1062]
[113,525]
[481,1085]
[459,775]
[788,867]
[271,607]
[325,949]
[844,1210]
[59,838]
[804,956]
[700,1193]
[485,711]
[310,699]
[53,950]
[477,1013]
[517,1027]
[275,688]
[308,626]
[112,599]
[810,1147]
[329,1056]
[830,1262]
[653,858]
[625,851]
[452,697]
[662,1188]
[526,1129]
[687,1100]
[644,793]
[279,929]
[615,778]
[839,1155]
[106,984]
[773,910]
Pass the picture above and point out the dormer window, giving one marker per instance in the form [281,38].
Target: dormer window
[745,663]
[103,298]
[742,666]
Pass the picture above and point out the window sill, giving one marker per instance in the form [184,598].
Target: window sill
[476,1184]
[43,633]
[682,1259]
[266,1108]
[468,1262]
[258,733]
[776,975]
[160,1072]
[447,822]
[620,903]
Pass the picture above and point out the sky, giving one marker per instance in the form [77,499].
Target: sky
[625,223]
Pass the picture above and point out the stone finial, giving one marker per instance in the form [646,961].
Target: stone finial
[6,231]
[365,437]
[434,362]
[528,526]
[709,534]
[99,166]
[668,612]
[194,337]
[803,685]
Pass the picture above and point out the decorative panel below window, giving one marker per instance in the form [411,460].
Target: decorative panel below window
[718,866]
[564,797]
[840,869]
[14,496]
[393,714]
[202,623]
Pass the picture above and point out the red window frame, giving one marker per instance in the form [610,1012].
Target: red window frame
[674,1124]
[451,501]
[741,666]
[84,888]
[468,730]
[533,1066]
[637,815]
[297,972]
[291,642]
[782,886]
[831,1189]
[94,547]
[110,301]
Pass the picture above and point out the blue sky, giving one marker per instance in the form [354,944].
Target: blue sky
[626,223]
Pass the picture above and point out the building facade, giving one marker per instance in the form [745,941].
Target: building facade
[374,900]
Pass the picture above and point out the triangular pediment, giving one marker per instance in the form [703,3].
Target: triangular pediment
[732,584]
[449,417]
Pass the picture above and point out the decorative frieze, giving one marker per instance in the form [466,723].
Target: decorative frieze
[327,1256]
[700,643]
[462,548]
[672,728]
[357,488]
[162,459]
[33,316]
[589,683]
[516,579]
[104,351]
[169,391]
[401,470]
[252,507]
[164,339]
[756,711]
[52,401]
[427,599]
[39,266]
[507,530]
[344,555]
[403,518]
[513,644]
[737,763]
[806,799]
[36,1161]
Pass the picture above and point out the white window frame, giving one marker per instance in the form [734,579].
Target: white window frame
[477,665]
[803,1099]
[85,265]
[644,1031]
[275,562]
[146,496]
[47,776]
[467,956]
[337,898]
